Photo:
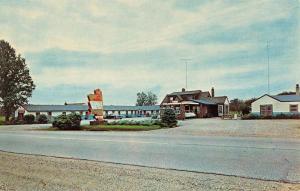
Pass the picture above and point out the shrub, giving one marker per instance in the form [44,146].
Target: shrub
[278,116]
[67,122]
[154,116]
[42,119]
[29,119]
[168,118]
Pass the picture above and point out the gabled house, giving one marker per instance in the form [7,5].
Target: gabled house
[200,103]
[270,105]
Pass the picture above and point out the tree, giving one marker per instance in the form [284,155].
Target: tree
[287,93]
[16,84]
[168,118]
[241,106]
[151,99]
[146,99]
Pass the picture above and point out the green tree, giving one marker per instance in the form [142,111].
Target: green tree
[151,99]
[146,99]
[241,106]
[168,118]
[16,84]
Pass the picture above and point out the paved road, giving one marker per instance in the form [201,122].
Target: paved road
[263,158]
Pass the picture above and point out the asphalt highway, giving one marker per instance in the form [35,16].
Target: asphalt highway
[260,158]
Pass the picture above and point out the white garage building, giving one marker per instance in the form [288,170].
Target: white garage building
[268,105]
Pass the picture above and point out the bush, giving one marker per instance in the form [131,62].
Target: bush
[67,122]
[278,116]
[42,119]
[168,118]
[29,119]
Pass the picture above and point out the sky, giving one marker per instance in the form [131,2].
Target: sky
[127,46]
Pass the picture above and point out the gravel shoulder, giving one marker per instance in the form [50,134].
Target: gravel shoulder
[28,172]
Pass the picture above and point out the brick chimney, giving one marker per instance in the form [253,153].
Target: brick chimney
[297,90]
[212,92]
[183,90]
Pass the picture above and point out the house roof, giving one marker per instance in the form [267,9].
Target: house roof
[287,98]
[75,107]
[283,98]
[211,100]
[205,101]
[185,93]
[219,100]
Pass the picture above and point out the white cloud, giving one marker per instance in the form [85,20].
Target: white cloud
[125,25]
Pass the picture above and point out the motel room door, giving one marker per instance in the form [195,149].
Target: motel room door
[266,110]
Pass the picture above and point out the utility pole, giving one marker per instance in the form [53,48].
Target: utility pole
[268,67]
[186,60]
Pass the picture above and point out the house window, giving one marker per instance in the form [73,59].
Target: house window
[266,110]
[187,108]
[294,108]
[49,113]
[37,113]
[64,113]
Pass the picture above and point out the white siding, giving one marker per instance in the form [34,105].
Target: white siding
[278,107]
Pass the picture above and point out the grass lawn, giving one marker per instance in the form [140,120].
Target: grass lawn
[113,128]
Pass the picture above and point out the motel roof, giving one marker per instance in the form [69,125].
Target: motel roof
[131,108]
[84,107]
[55,108]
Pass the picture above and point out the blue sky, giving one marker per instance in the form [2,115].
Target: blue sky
[127,46]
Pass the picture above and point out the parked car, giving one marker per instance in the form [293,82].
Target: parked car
[114,116]
[190,115]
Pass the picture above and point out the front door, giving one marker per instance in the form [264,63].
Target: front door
[266,110]
[220,110]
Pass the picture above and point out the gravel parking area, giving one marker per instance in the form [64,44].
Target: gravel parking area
[27,172]
[237,128]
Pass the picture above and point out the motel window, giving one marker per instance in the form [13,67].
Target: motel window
[294,108]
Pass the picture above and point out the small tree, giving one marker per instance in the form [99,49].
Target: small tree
[42,119]
[29,118]
[168,118]
[16,85]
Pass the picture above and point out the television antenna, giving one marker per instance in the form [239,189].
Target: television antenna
[268,46]
[186,60]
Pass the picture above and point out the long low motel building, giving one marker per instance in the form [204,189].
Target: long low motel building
[82,109]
